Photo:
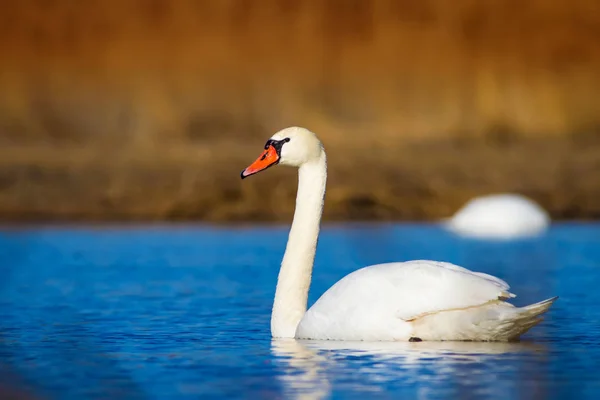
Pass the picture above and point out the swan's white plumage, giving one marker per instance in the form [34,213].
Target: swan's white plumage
[398,293]
[500,216]
[428,300]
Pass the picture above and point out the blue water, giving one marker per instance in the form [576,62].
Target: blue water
[161,312]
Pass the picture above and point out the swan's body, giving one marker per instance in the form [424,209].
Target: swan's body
[502,216]
[416,300]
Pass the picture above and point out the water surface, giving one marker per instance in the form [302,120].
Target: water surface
[155,312]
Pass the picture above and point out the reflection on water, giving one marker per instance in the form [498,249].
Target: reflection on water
[304,371]
[309,365]
[155,312]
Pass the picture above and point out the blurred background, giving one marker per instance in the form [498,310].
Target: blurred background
[149,109]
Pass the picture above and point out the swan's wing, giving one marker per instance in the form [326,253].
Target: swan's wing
[408,290]
[440,286]
[499,282]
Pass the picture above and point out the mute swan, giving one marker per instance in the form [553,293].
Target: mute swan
[501,216]
[403,301]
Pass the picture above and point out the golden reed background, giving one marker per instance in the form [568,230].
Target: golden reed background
[149,109]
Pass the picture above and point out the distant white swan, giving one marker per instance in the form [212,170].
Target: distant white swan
[405,301]
[502,216]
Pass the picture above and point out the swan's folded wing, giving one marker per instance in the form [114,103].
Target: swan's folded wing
[429,287]
[499,282]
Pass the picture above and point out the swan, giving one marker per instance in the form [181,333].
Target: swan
[401,301]
[502,216]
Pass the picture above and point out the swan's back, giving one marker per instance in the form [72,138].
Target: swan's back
[379,302]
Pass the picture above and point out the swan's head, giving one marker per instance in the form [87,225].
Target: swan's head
[293,146]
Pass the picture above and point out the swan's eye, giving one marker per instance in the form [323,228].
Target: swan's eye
[276,144]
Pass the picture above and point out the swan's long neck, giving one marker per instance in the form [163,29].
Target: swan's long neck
[291,295]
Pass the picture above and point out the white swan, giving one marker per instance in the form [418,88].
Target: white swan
[502,216]
[415,300]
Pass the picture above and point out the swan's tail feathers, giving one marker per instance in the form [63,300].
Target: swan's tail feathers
[538,308]
[527,317]
[496,321]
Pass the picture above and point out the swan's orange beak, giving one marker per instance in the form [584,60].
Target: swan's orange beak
[268,158]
